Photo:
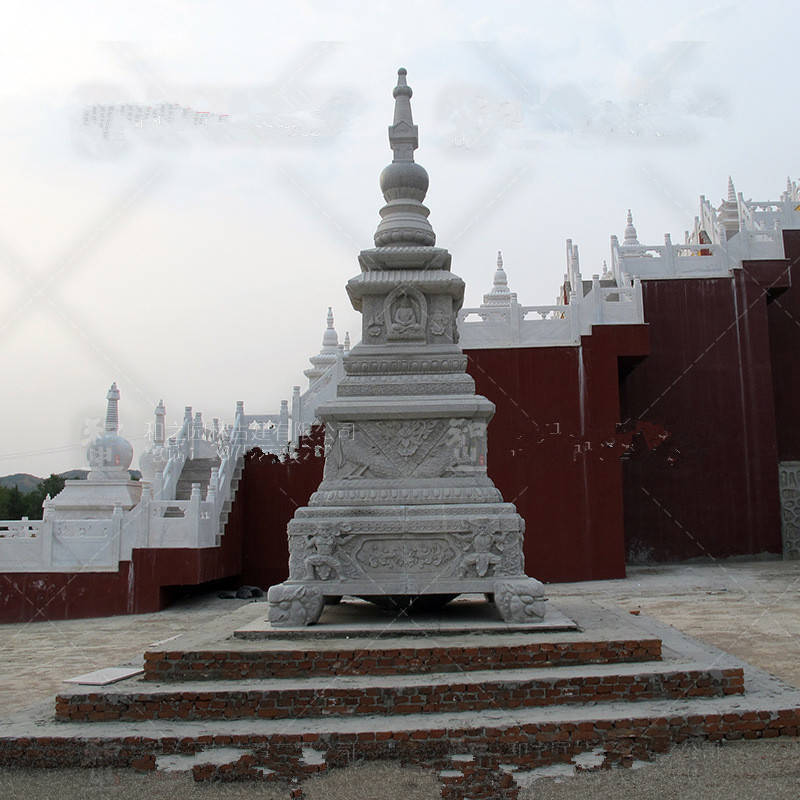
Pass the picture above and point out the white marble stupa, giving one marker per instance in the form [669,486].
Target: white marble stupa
[405,512]
[108,484]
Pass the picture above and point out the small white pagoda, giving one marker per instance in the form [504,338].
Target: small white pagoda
[108,484]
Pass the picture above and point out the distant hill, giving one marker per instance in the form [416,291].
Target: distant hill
[27,483]
[22,480]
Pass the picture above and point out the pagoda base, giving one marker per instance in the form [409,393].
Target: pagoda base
[294,604]
[405,554]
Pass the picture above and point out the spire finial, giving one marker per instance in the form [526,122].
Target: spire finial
[731,190]
[112,409]
[500,277]
[630,237]
[330,338]
[404,219]
[403,133]
[109,454]
[346,340]
[500,295]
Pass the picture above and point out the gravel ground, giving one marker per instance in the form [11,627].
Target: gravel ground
[741,770]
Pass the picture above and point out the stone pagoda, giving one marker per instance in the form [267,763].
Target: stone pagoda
[108,484]
[405,513]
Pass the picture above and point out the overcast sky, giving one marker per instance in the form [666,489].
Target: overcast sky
[195,263]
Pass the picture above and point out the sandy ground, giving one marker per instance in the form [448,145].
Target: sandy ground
[750,609]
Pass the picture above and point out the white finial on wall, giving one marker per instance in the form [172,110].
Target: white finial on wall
[630,237]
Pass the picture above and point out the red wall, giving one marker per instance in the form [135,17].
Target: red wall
[712,489]
[269,493]
[783,314]
[554,449]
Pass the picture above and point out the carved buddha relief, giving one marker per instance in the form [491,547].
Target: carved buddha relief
[405,311]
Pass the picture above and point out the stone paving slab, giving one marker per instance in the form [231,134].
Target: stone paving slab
[105,677]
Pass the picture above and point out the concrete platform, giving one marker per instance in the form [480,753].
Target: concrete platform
[356,618]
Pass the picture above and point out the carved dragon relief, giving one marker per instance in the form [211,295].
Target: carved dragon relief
[491,551]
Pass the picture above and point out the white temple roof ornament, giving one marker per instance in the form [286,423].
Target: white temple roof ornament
[327,354]
[500,295]
[630,238]
[346,341]
[729,211]
[404,219]
[329,338]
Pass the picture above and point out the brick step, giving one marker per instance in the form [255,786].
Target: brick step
[257,660]
[493,743]
[405,694]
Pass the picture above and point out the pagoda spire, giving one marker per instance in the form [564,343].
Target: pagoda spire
[112,409]
[731,190]
[500,278]
[404,219]
[630,237]
[500,295]
[403,133]
[330,338]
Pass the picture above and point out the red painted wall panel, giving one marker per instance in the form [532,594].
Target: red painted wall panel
[783,311]
[554,449]
[269,494]
[711,489]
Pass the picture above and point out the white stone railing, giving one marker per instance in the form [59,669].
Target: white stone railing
[193,523]
[669,260]
[219,487]
[89,545]
[695,260]
[178,450]
[516,325]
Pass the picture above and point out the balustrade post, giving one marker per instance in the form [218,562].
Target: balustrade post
[670,259]
[213,484]
[116,534]
[597,315]
[573,311]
